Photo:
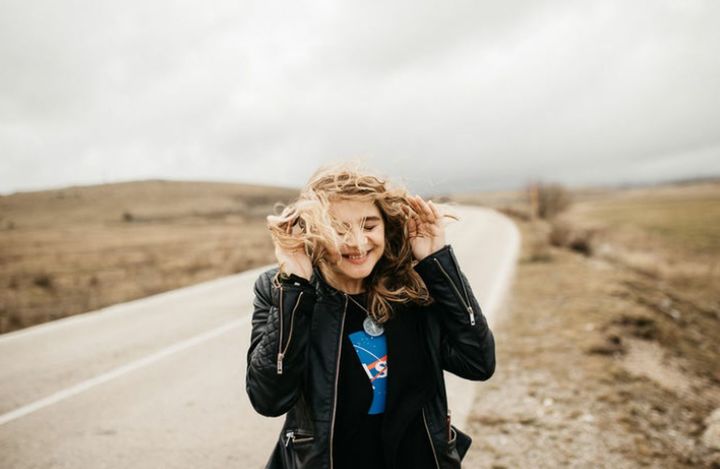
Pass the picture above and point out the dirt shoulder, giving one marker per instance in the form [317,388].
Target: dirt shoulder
[595,370]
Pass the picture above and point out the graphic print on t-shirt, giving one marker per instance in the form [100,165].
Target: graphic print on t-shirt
[372,352]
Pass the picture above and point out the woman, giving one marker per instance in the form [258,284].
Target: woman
[353,329]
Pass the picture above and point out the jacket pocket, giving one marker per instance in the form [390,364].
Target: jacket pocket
[295,445]
[298,437]
[459,442]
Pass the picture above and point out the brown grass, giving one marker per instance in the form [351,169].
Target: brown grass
[683,219]
[78,249]
[609,358]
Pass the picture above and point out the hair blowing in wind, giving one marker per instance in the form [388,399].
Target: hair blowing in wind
[307,224]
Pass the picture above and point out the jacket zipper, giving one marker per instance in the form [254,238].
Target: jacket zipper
[281,351]
[337,373]
[465,303]
[462,284]
[290,436]
[432,446]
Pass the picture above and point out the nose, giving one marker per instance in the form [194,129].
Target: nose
[358,239]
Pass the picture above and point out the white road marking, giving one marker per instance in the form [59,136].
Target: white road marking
[119,371]
[127,306]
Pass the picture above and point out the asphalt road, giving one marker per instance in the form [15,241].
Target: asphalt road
[160,382]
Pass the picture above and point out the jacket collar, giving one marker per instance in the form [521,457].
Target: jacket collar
[322,287]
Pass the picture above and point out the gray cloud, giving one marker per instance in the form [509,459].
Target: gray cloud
[471,95]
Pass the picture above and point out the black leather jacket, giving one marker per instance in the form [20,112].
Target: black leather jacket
[293,359]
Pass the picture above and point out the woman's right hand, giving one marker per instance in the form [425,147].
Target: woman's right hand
[294,261]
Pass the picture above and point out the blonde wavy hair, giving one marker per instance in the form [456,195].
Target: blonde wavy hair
[393,279]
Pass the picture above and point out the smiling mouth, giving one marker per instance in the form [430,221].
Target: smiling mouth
[356,258]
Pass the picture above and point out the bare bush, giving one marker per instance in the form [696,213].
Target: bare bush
[582,242]
[44,280]
[563,234]
[549,200]
[560,233]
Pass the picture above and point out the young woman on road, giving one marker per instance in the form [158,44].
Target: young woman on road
[353,329]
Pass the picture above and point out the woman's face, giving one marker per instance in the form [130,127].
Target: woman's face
[365,242]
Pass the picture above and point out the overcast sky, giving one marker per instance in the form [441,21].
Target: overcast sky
[445,95]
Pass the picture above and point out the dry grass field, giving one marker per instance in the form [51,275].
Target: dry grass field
[681,223]
[608,350]
[68,251]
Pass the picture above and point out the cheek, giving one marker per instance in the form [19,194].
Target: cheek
[379,242]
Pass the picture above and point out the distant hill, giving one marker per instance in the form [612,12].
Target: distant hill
[139,201]
[76,249]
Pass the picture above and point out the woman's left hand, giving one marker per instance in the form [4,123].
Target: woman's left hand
[425,228]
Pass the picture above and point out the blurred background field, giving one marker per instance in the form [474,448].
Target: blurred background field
[78,249]
[72,250]
[608,352]
[611,328]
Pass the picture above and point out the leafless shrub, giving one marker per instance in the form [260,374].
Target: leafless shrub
[44,280]
[560,233]
[639,326]
[552,199]
[582,242]
[563,234]
[127,216]
[609,345]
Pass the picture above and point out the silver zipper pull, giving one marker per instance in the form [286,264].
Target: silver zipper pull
[472,315]
[289,435]
[280,327]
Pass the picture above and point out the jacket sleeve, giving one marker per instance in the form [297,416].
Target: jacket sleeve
[467,344]
[278,343]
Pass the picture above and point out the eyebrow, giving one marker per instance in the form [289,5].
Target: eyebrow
[369,219]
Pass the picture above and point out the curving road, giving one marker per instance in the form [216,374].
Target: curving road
[160,382]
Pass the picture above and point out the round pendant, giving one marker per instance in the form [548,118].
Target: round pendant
[372,328]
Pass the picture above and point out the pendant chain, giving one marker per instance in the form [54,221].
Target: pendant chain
[371,327]
[363,308]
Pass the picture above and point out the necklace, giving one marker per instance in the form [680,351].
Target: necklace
[371,327]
